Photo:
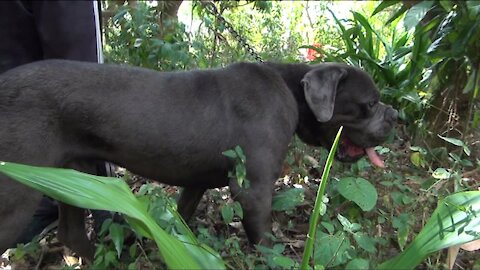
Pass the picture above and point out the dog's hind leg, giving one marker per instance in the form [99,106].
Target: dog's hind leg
[71,226]
[19,202]
[188,202]
[71,230]
[17,207]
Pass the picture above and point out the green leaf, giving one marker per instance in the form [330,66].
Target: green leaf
[328,226]
[230,153]
[110,258]
[240,173]
[365,242]
[453,141]
[397,14]
[347,225]
[314,218]
[385,4]
[470,86]
[138,42]
[283,262]
[358,190]
[132,251]
[331,250]
[116,234]
[112,194]
[237,209]
[417,160]
[416,13]
[358,264]
[446,4]
[288,199]
[441,173]
[240,153]
[455,221]
[401,223]
[227,213]
[457,142]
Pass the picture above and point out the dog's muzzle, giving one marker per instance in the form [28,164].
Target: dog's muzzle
[359,142]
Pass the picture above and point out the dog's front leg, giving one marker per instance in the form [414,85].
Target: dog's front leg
[188,202]
[256,200]
[71,230]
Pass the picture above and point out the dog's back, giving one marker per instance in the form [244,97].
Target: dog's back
[104,110]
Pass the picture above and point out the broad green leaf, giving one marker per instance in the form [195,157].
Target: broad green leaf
[457,142]
[416,13]
[116,234]
[132,251]
[328,226]
[416,159]
[473,8]
[112,194]
[401,223]
[455,221]
[358,190]
[358,264]
[453,141]
[441,173]
[227,213]
[331,250]
[365,242]
[237,209]
[288,199]
[284,262]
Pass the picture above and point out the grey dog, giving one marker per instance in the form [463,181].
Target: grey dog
[174,126]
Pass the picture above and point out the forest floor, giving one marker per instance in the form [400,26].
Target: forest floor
[407,196]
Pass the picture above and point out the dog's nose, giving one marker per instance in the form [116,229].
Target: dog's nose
[391,114]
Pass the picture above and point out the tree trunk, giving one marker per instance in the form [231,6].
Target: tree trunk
[168,17]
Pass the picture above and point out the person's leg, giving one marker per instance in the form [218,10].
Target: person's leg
[68,29]
[20,42]
[36,30]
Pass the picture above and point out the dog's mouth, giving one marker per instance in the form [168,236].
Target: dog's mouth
[349,152]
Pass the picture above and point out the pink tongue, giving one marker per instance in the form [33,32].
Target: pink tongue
[374,158]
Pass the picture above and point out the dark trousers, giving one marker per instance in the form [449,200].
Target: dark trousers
[36,30]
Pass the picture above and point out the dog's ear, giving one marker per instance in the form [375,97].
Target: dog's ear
[320,88]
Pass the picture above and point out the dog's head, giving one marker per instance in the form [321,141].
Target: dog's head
[341,95]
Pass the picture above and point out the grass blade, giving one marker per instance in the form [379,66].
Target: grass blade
[307,253]
[385,4]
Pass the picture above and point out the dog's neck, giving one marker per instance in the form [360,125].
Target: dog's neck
[293,74]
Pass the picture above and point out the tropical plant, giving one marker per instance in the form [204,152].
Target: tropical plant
[178,250]
[134,36]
